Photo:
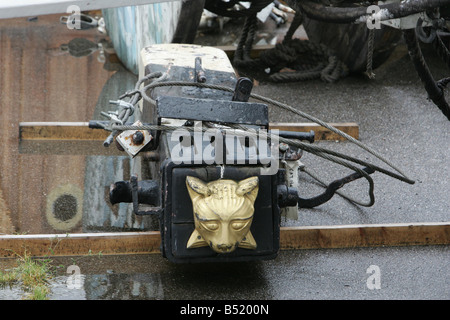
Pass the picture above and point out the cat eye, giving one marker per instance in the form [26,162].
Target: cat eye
[210,225]
[239,225]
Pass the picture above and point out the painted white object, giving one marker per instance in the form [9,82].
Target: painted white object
[28,8]
[183,55]
[135,27]
[292,168]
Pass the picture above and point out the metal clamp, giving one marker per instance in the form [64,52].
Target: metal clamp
[118,117]
[135,199]
[113,119]
[83,20]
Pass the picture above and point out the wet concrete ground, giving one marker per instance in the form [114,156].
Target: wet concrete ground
[405,273]
[394,117]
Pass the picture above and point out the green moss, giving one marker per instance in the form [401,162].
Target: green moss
[33,276]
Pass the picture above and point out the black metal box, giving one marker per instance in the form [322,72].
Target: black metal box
[178,219]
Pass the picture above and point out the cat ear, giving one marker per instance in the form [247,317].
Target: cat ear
[248,187]
[196,187]
[248,242]
[196,241]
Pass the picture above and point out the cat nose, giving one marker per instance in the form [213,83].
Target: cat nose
[225,247]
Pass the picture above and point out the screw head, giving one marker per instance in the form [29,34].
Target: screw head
[138,138]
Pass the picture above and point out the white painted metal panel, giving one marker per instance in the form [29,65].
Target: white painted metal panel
[133,28]
[27,8]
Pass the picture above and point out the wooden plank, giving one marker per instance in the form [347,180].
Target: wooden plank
[80,244]
[60,131]
[291,238]
[376,235]
[321,133]
[81,131]
[25,8]
[254,53]
[67,148]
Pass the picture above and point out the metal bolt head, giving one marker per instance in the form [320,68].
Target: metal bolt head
[138,138]
[283,147]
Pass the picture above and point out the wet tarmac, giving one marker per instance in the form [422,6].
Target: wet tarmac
[406,273]
[41,83]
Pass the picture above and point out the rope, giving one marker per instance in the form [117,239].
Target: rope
[309,60]
[435,92]
[443,82]
[369,71]
[242,53]
[441,50]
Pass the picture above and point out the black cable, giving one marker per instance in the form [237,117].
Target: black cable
[435,92]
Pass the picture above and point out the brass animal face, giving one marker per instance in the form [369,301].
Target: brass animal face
[223,213]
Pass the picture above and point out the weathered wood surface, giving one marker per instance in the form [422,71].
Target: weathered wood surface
[41,82]
[79,244]
[291,238]
[60,131]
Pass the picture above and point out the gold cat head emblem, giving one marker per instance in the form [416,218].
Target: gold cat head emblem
[223,213]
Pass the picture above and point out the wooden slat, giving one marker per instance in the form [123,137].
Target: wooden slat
[60,131]
[292,238]
[254,52]
[81,131]
[68,148]
[321,133]
[80,244]
[351,236]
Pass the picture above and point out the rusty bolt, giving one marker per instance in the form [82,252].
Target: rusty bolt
[138,138]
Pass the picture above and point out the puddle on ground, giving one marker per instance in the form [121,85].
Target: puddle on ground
[58,187]
[142,277]
[95,287]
